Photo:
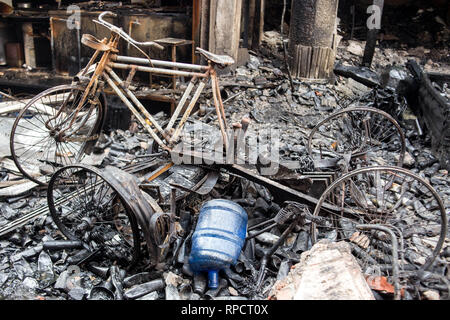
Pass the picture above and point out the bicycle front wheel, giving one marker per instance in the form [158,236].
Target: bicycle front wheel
[51,132]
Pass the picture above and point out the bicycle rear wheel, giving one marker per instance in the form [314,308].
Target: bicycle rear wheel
[48,132]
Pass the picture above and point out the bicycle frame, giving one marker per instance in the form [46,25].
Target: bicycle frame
[199,74]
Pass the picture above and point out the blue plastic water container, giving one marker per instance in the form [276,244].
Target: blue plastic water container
[218,238]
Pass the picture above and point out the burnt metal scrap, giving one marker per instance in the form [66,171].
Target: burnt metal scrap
[432,105]
[285,230]
[141,219]
[127,223]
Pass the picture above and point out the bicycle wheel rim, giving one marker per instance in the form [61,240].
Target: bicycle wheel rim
[433,195]
[113,217]
[32,144]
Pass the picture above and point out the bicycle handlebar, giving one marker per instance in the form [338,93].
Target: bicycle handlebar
[123,34]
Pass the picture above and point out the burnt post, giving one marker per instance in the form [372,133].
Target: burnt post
[225,27]
[312,38]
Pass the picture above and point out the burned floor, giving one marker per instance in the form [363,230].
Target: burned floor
[356,208]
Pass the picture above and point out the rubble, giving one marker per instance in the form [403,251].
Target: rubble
[431,295]
[36,260]
[356,48]
[235,283]
[326,272]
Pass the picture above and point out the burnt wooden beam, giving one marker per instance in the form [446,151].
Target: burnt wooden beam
[196,14]
[257,22]
[246,13]
[225,27]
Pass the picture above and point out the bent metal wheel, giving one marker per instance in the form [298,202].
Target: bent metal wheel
[50,133]
[86,206]
[368,137]
[391,197]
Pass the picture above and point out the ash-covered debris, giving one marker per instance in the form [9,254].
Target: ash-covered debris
[38,262]
[33,266]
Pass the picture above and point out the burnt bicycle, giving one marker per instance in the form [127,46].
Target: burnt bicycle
[66,120]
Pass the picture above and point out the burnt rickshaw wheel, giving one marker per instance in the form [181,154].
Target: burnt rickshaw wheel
[85,206]
[390,197]
[368,135]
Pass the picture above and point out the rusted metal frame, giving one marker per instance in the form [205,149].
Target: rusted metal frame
[159,171]
[188,111]
[394,243]
[219,113]
[284,192]
[127,188]
[180,105]
[91,61]
[135,112]
[58,113]
[158,70]
[159,63]
[136,102]
[154,187]
[88,113]
[130,77]
[74,114]
[215,82]
[93,106]
[98,72]
[203,187]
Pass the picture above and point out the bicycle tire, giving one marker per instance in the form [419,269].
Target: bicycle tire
[38,141]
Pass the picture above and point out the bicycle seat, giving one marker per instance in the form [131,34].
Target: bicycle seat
[92,42]
[222,60]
